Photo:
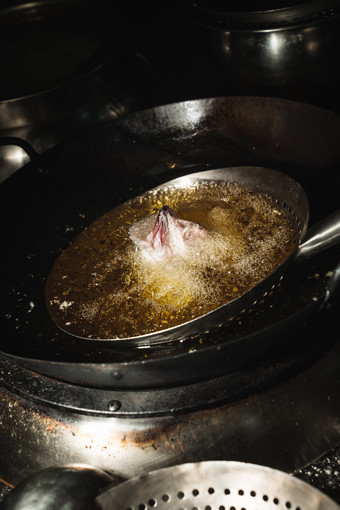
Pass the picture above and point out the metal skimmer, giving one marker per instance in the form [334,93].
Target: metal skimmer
[215,485]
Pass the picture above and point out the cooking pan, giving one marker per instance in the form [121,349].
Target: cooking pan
[284,191]
[55,196]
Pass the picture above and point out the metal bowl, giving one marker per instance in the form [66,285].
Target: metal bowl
[291,47]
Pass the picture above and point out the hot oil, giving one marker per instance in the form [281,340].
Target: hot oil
[102,287]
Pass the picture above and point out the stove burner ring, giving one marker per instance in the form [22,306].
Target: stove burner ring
[140,402]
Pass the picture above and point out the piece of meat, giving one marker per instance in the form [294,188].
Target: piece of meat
[168,236]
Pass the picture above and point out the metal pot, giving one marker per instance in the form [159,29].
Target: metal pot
[277,48]
[66,53]
[64,66]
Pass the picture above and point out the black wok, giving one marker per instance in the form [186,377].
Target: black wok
[55,196]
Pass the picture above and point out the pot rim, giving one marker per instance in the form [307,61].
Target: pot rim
[309,13]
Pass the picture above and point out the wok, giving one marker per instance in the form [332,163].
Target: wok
[57,194]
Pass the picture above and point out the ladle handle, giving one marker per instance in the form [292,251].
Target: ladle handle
[321,236]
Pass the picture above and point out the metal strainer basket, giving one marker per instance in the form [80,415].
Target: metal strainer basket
[215,485]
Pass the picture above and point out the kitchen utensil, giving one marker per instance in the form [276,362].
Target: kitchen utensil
[215,485]
[284,191]
[208,484]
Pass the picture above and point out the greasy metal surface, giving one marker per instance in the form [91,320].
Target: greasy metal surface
[76,182]
[161,401]
[285,426]
[215,484]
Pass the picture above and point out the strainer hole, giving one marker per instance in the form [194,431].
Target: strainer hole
[141,506]
[241,492]
[152,502]
[253,494]
[226,491]
[165,498]
[232,508]
[265,497]
[275,501]
[208,507]
[288,504]
[221,507]
[211,490]
[195,492]
[180,495]
[298,508]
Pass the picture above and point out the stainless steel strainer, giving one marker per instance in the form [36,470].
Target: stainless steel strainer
[215,485]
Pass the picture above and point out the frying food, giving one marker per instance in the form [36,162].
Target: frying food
[167,257]
[169,236]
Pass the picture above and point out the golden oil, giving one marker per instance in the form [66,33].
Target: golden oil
[113,292]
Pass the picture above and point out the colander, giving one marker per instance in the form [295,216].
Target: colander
[215,485]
